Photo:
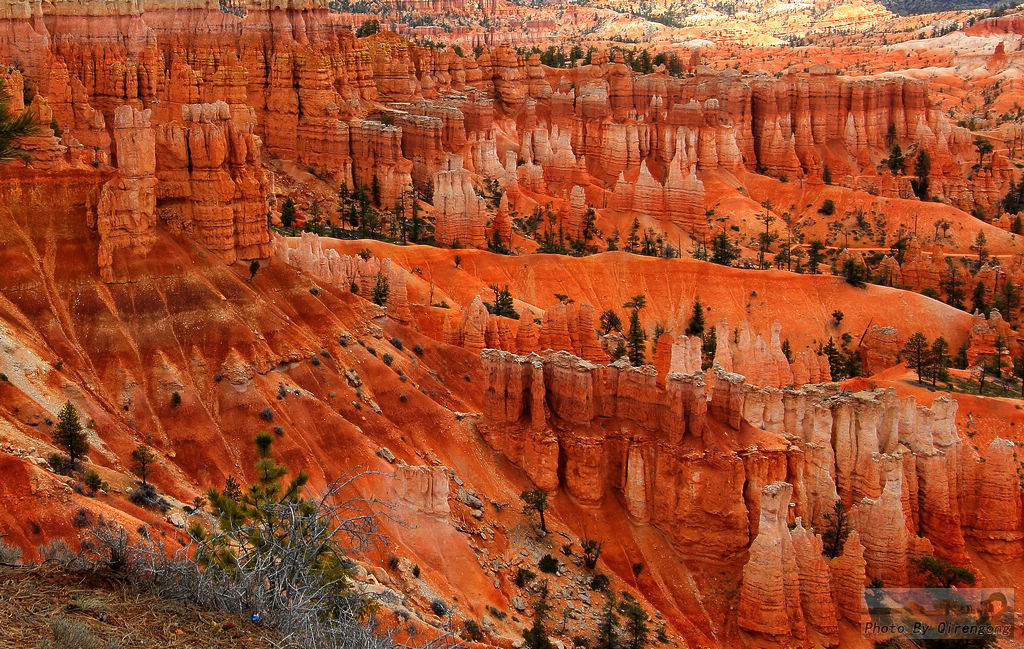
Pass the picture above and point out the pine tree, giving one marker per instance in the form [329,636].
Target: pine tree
[854,272]
[255,519]
[922,168]
[952,286]
[535,501]
[635,622]
[142,458]
[940,573]
[608,626]
[978,299]
[915,352]
[1018,371]
[636,335]
[69,434]
[254,266]
[400,220]
[536,637]
[503,305]
[288,212]
[375,190]
[835,360]
[1008,299]
[837,529]
[610,321]
[997,358]
[344,198]
[939,360]
[815,256]
[633,240]
[415,222]
[980,246]
[723,250]
[696,324]
[381,289]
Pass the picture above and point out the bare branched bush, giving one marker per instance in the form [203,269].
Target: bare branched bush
[107,544]
[57,551]
[275,552]
[10,555]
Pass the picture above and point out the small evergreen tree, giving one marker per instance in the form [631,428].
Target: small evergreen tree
[93,482]
[260,518]
[368,28]
[536,637]
[254,266]
[939,572]
[416,223]
[69,434]
[922,168]
[288,212]
[854,272]
[636,335]
[723,250]
[1018,371]
[960,360]
[635,622]
[381,289]
[633,240]
[535,501]
[980,246]
[835,360]
[915,352]
[142,459]
[592,549]
[951,284]
[978,298]
[837,529]
[815,256]
[696,325]
[375,190]
[344,200]
[939,360]
[608,626]
[610,321]
[503,305]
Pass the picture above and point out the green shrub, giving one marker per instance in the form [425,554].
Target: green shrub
[472,630]
[548,564]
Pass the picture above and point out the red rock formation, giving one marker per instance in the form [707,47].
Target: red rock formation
[125,209]
[527,336]
[770,597]
[502,223]
[326,265]
[473,327]
[848,578]
[211,183]
[888,544]
[458,211]
[424,488]
[991,495]
[816,597]
[879,350]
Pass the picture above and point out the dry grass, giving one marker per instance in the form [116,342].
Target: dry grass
[50,608]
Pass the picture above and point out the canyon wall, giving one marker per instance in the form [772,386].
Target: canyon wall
[723,467]
[381,111]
